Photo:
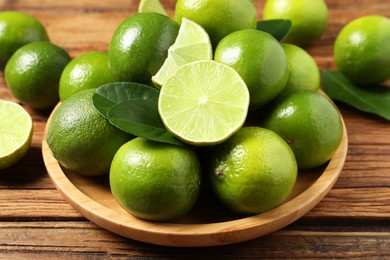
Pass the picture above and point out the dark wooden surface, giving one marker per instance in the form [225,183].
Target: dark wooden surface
[353,220]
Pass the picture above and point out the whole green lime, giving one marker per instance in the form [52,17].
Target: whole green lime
[155,181]
[310,123]
[362,50]
[218,17]
[17,29]
[33,73]
[259,59]
[89,70]
[309,18]
[303,72]
[140,45]
[80,138]
[253,171]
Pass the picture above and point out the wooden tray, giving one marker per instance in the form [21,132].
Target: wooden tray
[208,224]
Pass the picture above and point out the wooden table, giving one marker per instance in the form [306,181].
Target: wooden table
[353,220]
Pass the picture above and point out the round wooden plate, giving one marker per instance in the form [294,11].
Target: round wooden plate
[208,224]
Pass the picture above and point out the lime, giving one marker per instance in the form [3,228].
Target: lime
[310,123]
[155,181]
[16,130]
[192,44]
[260,61]
[218,17]
[154,6]
[80,138]
[89,70]
[140,45]
[254,171]
[362,50]
[203,102]
[16,30]
[309,18]
[303,72]
[33,73]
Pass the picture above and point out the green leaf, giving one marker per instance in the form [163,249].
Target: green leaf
[141,118]
[375,99]
[112,94]
[278,28]
[133,108]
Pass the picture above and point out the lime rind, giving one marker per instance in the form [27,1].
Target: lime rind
[154,6]
[192,44]
[204,103]
[16,130]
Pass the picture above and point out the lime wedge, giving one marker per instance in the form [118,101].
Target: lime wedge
[16,129]
[192,44]
[151,6]
[203,103]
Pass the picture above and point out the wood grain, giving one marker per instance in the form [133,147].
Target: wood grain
[351,221]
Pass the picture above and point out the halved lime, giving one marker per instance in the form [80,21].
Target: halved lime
[151,6]
[192,44]
[203,103]
[16,129]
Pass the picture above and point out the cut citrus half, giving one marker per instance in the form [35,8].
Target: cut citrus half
[16,129]
[192,44]
[203,103]
[154,6]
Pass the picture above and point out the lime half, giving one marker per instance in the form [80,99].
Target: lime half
[203,102]
[154,6]
[16,129]
[192,44]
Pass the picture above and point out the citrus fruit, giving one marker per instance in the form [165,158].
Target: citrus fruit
[89,70]
[309,18]
[310,123]
[81,139]
[16,130]
[303,72]
[17,29]
[246,172]
[362,50]
[192,44]
[140,45]
[218,17]
[203,102]
[33,73]
[154,6]
[155,181]
[260,61]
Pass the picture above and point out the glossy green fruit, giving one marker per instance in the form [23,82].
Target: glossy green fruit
[310,123]
[140,45]
[16,30]
[362,50]
[33,73]
[259,59]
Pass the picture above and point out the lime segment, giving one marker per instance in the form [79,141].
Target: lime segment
[204,102]
[192,44]
[154,6]
[16,129]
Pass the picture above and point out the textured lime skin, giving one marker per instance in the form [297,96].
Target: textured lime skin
[33,73]
[254,171]
[89,70]
[309,18]
[303,72]
[309,123]
[362,50]
[155,181]
[259,59]
[218,17]
[16,30]
[140,45]
[81,139]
